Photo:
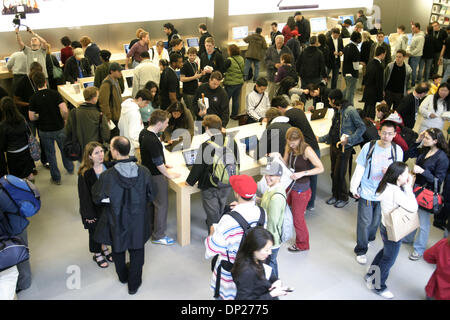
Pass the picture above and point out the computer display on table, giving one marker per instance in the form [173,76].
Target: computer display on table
[88,84]
[189,157]
[240,32]
[318,24]
[351,17]
[386,39]
[129,81]
[251,143]
[192,42]
[166,44]
[126,47]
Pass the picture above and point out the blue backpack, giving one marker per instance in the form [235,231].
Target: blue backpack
[23,193]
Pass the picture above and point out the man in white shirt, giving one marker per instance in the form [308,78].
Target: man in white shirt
[158,52]
[415,50]
[144,72]
[258,101]
[17,64]
[36,53]
[130,122]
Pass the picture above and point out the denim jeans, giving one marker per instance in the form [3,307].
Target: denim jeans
[234,93]
[272,261]
[446,69]
[48,142]
[248,65]
[369,218]
[414,63]
[384,260]
[350,87]
[427,63]
[423,232]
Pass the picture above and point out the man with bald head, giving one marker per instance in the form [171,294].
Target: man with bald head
[36,53]
[126,191]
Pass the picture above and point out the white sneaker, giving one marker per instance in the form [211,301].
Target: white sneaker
[361,259]
[386,294]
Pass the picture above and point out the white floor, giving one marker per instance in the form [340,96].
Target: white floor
[58,244]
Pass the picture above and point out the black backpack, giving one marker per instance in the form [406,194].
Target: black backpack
[371,150]
[226,264]
[408,135]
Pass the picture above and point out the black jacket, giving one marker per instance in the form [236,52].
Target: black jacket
[88,209]
[429,47]
[216,61]
[201,171]
[365,51]
[294,45]
[435,166]
[407,109]
[311,64]
[304,29]
[277,132]
[125,222]
[71,69]
[218,102]
[322,97]
[249,286]
[326,51]
[92,53]
[373,81]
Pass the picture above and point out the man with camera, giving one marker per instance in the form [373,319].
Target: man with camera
[37,52]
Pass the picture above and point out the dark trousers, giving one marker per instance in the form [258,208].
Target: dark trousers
[24,268]
[94,246]
[393,99]
[369,109]
[339,163]
[214,201]
[132,274]
[158,216]
[335,74]
[234,93]
[313,184]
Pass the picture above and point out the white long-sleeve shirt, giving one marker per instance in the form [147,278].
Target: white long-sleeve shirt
[426,109]
[416,47]
[130,123]
[254,110]
[144,72]
[393,197]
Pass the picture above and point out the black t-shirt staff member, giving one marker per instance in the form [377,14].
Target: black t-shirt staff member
[170,84]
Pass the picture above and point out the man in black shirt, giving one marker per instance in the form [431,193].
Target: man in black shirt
[170,84]
[350,67]
[409,106]
[49,109]
[204,35]
[211,60]
[396,80]
[304,28]
[171,32]
[152,154]
[211,98]
[373,80]
[275,32]
[439,37]
[297,118]
[189,75]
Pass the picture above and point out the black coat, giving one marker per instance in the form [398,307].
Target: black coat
[71,69]
[216,61]
[249,286]
[365,51]
[276,131]
[201,43]
[333,59]
[311,64]
[373,80]
[304,29]
[88,209]
[125,222]
[439,42]
[407,109]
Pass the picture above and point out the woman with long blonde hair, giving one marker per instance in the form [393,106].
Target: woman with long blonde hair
[91,167]
[299,157]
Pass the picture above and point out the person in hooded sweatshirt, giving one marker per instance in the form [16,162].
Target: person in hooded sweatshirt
[273,138]
[130,122]
[311,64]
[125,190]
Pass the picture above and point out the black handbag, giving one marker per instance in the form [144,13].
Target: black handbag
[72,148]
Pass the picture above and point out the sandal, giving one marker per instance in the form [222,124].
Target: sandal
[107,255]
[100,260]
[294,248]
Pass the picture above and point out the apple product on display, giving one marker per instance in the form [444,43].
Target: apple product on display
[88,84]
[351,17]
[240,32]
[318,24]
[192,42]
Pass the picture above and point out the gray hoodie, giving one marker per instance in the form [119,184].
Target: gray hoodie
[417,43]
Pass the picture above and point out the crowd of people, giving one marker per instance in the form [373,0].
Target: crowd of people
[123,174]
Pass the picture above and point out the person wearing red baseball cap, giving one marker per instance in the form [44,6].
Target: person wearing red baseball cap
[226,235]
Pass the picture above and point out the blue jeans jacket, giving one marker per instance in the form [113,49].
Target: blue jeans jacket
[351,125]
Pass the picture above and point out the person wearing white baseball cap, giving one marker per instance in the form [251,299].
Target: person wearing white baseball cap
[77,67]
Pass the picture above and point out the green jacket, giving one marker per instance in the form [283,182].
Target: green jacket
[275,204]
[235,72]
[257,46]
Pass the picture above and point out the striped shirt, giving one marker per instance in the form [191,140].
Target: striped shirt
[227,238]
